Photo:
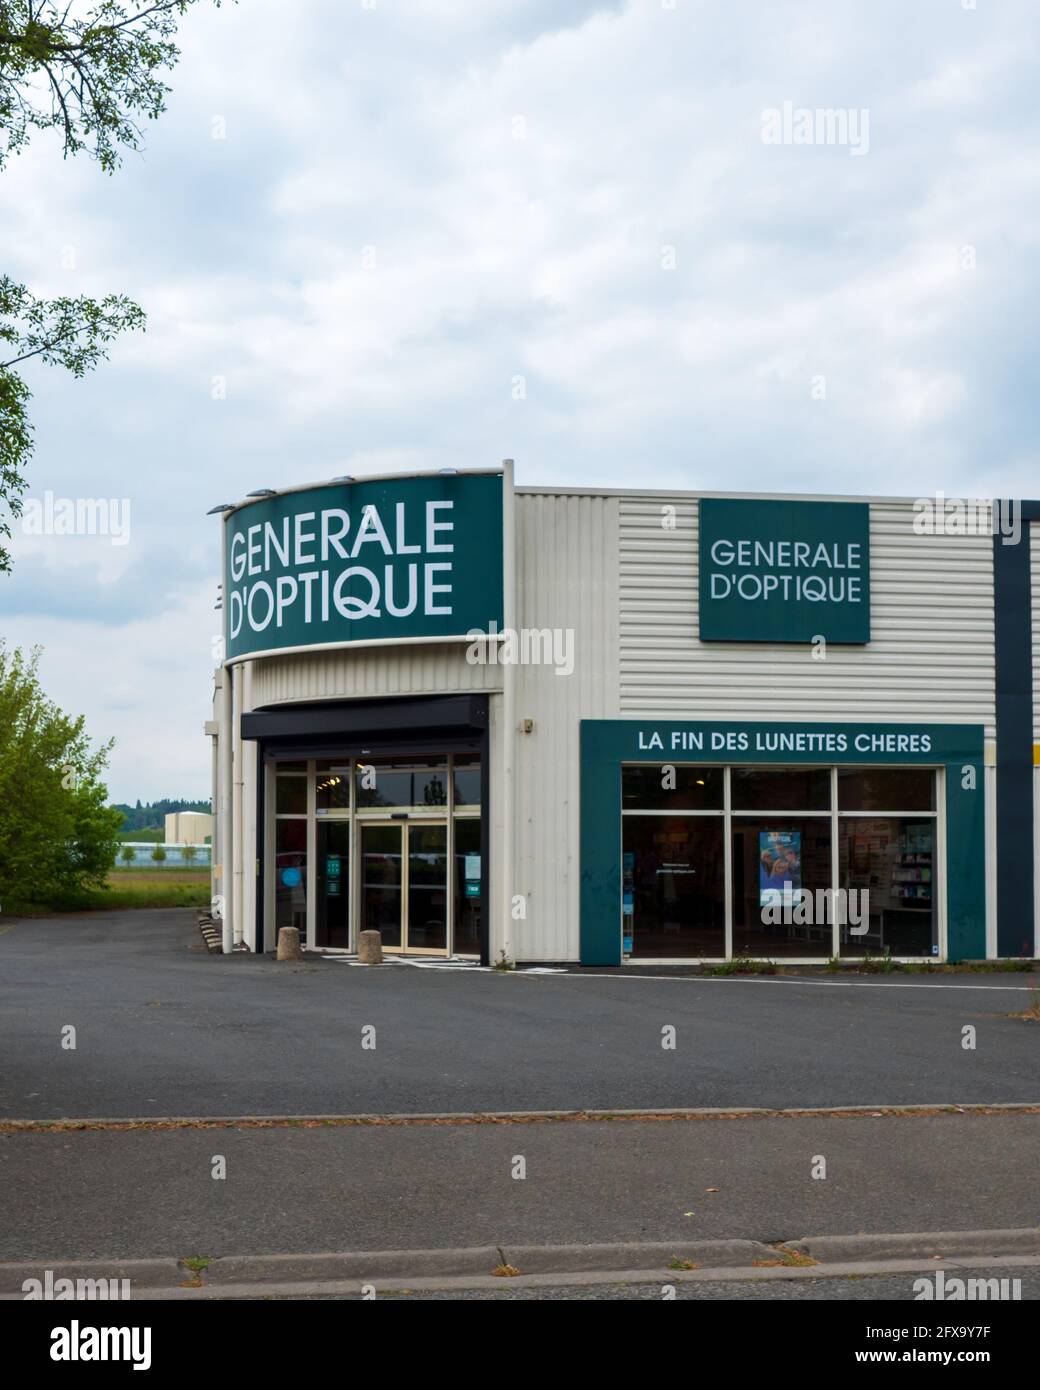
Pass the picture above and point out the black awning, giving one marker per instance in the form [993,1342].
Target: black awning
[409,717]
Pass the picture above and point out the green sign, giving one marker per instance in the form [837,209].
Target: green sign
[796,742]
[607,744]
[784,571]
[361,562]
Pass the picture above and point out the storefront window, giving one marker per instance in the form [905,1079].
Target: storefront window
[886,789]
[466,776]
[780,789]
[674,895]
[469,886]
[332,787]
[887,865]
[290,795]
[290,874]
[373,868]
[421,783]
[775,858]
[672,787]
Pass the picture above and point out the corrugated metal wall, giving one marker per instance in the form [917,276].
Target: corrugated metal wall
[567,578]
[931,657]
[931,649]
[440,669]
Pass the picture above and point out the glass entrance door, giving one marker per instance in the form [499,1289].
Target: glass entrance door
[426,928]
[403,885]
[382,881]
[332,885]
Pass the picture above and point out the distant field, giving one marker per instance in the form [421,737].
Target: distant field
[148,877]
[128,888]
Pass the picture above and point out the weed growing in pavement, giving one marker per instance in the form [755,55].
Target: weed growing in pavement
[878,965]
[744,965]
[1032,1012]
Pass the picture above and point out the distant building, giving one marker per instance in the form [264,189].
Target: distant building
[188,827]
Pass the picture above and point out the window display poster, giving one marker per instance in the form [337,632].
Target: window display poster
[779,865]
[471,873]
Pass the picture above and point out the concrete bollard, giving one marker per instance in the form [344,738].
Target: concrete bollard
[370,948]
[289,944]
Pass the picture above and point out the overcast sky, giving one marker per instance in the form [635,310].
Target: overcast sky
[417,202]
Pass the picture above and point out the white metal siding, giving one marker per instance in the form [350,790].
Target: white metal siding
[567,578]
[930,657]
[364,673]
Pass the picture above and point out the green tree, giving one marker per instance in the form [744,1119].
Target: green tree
[127,854]
[56,833]
[188,853]
[65,332]
[159,854]
[91,72]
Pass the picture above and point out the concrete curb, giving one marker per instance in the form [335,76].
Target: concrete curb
[960,1245]
[161,1275]
[481,1260]
[472,1267]
[882,1110]
[344,1289]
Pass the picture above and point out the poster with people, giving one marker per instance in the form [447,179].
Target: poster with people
[779,865]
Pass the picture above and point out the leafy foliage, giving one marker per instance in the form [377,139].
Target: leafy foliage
[92,72]
[66,332]
[57,835]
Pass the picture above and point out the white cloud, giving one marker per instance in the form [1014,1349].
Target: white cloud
[518,170]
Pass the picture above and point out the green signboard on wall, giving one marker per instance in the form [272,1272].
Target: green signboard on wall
[398,558]
[780,571]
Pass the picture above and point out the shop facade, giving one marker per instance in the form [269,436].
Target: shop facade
[602,726]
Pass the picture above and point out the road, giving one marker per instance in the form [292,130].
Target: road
[144,1193]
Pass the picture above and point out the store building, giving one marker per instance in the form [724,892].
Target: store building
[556,724]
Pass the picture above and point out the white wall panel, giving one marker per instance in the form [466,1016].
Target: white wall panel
[930,656]
[364,673]
[567,575]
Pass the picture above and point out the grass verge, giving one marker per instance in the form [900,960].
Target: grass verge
[125,889]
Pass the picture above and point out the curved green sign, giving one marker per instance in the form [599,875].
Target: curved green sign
[417,558]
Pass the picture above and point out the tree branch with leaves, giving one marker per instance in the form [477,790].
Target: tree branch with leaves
[68,332]
[93,73]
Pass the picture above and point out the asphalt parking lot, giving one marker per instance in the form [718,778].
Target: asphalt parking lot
[162,1028]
